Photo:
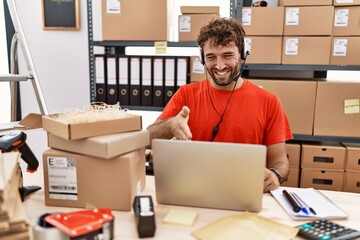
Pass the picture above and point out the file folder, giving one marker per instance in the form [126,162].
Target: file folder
[158,84]
[182,71]
[112,80]
[135,81]
[123,70]
[169,78]
[100,78]
[146,86]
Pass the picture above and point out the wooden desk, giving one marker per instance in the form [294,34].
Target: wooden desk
[125,227]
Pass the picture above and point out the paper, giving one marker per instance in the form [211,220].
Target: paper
[245,226]
[323,206]
[180,217]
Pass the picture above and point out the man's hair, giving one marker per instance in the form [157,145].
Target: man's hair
[221,32]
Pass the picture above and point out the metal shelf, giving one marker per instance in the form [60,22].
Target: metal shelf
[142,44]
[288,67]
[299,137]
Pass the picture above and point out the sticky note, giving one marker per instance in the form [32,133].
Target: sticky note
[180,217]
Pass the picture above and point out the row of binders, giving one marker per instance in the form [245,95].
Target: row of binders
[139,80]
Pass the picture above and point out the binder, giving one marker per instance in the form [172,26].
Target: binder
[112,80]
[169,78]
[182,71]
[100,78]
[135,81]
[146,86]
[158,85]
[123,71]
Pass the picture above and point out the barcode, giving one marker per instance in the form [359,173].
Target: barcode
[71,162]
[63,187]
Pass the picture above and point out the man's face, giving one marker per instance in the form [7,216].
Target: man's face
[222,62]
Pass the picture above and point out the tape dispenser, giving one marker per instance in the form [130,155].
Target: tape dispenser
[145,216]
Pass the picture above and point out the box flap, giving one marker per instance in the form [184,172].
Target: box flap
[32,121]
[199,9]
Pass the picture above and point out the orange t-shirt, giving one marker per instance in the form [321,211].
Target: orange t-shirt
[253,115]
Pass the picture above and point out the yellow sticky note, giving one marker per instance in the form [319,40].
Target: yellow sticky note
[160,47]
[351,106]
[180,217]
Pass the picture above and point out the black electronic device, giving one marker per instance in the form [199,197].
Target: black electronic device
[145,216]
[259,4]
[323,229]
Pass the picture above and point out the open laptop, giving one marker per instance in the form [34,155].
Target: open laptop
[209,174]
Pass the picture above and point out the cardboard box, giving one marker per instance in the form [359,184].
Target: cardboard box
[90,129]
[254,24]
[105,146]
[305,2]
[345,51]
[323,155]
[346,3]
[74,180]
[352,181]
[260,52]
[322,179]
[308,21]
[352,162]
[293,152]
[293,178]
[31,121]
[192,19]
[197,70]
[346,21]
[337,111]
[306,50]
[134,20]
[299,109]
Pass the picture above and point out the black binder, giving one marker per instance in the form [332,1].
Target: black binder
[100,78]
[112,80]
[158,81]
[135,92]
[123,71]
[146,77]
[170,73]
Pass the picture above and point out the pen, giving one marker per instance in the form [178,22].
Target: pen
[310,208]
[292,201]
[303,208]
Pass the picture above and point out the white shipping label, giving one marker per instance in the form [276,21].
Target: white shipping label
[113,6]
[340,47]
[341,18]
[62,178]
[292,16]
[185,24]
[246,17]
[291,46]
[344,1]
[197,66]
[247,44]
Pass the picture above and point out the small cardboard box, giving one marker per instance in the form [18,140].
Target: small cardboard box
[293,152]
[337,111]
[197,70]
[322,179]
[345,51]
[352,162]
[254,24]
[306,50]
[346,3]
[305,2]
[293,178]
[74,180]
[30,121]
[308,21]
[260,52]
[346,21]
[193,18]
[323,155]
[352,181]
[104,146]
[90,129]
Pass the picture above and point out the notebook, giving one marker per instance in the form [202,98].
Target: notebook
[209,174]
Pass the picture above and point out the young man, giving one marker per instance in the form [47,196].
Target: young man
[225,107]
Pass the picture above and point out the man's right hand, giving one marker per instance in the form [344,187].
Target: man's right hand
[179,125]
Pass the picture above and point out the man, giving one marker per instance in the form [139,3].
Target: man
[226,107]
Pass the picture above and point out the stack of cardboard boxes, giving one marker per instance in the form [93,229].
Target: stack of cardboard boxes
[352,167]
[94,165]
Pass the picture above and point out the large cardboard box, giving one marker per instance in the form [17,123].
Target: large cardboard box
[105,146]
[322,179]
[337,111]
[308,21]
[299,109]
[254,24]
[193,18]
[345,51]
[293,153]
[352,181]
[260,50]
[293,178]
[346,3]
[346,21]
[197,70]
[306,50]
[74,180]
[134,20]
[323,155]
[352,162]
[305,2]
[72,131]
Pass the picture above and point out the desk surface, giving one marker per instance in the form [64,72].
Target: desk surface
[125,224]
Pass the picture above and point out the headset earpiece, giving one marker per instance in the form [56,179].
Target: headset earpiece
[202,57]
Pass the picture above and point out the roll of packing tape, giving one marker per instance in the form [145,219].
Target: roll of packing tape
[44,231]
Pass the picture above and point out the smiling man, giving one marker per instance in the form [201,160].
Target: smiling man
[226,107]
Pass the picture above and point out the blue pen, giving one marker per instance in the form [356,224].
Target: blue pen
[302,207]
[310,208]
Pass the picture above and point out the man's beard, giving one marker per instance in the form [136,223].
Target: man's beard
[234,74]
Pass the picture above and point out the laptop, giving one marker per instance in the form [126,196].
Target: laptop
[209,174]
